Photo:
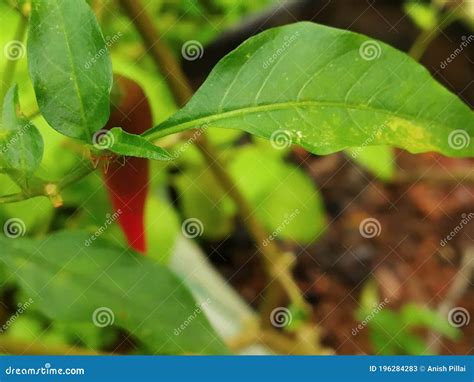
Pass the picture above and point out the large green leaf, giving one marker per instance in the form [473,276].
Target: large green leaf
[21,144]
[70,66]
[327,89]
[73,282]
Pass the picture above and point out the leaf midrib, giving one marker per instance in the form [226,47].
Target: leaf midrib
[51,267]
[157,132]
[73,68]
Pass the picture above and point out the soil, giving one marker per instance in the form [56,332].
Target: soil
[406,259]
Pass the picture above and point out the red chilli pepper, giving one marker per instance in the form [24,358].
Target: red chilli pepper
[127,177]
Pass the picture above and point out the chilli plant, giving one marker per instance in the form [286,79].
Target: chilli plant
[102,136]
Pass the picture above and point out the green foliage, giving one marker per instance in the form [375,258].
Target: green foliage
[350,93]
[139,295]
[123,143]
[21,143]
[394,332]
[424,15]
[162,223]
[379,160]
[158,95]
[202,198]
[273,86]
[283,197]
[69,66]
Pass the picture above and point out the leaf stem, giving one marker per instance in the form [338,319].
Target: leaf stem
[49,189]
[12,198]
[273,260]
[10,66]
[425,38]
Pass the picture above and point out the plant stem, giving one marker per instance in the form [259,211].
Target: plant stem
[160,53]
[13,346]
[10,66]
[182,92]
[436,176]
[77,174]
[461,282]
[425,38]
[49,189]
[12,198]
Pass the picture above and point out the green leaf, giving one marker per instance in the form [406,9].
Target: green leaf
[369,299]
[162,221]
[162,226]
[123,143]
[425,16]
[415,315]
[34,215]
[379,160]
[327,89]
[21,144]
[70,67]
[202,198]
[284,198]
[73,282]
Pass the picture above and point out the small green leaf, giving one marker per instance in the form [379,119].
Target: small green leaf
[21,144]
[297,318]
[425,16]
[70,67]
[327,89]
[75,279]
[379,160]
[416,315]
[122,143]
